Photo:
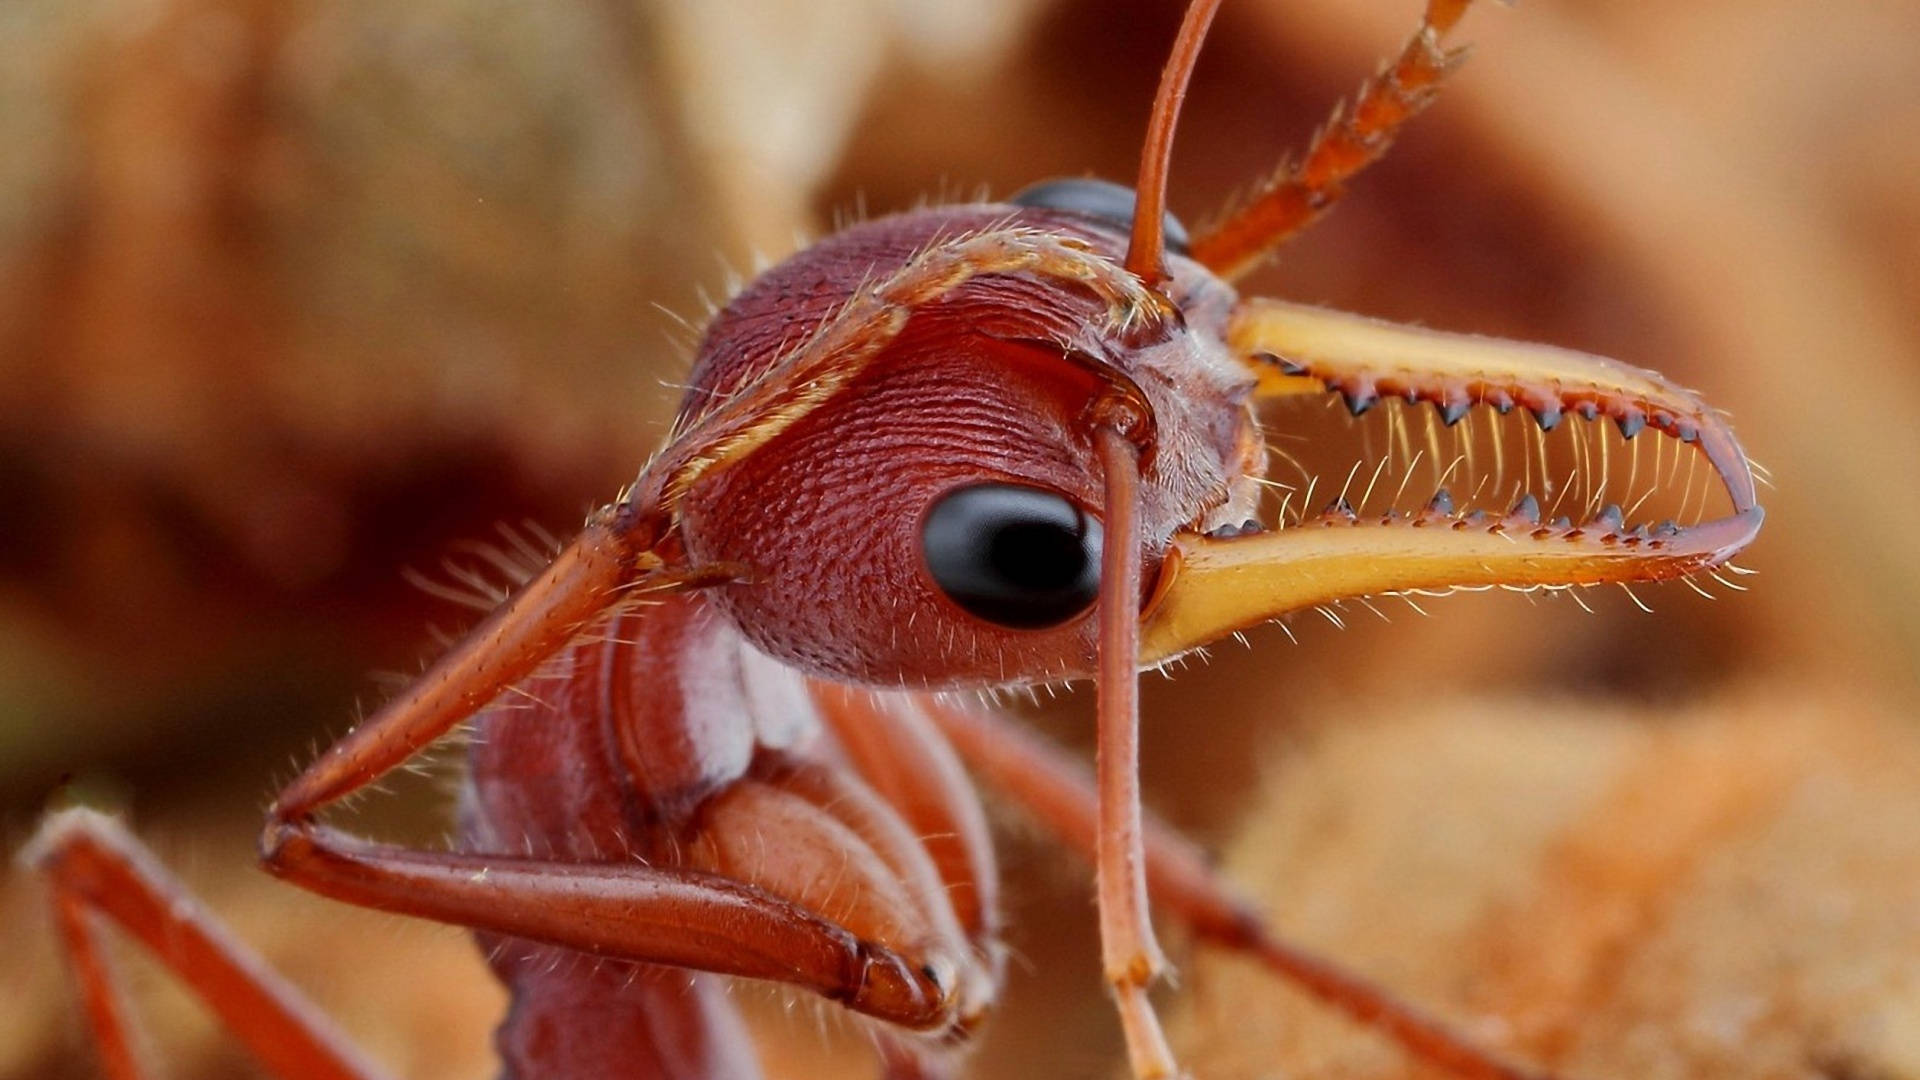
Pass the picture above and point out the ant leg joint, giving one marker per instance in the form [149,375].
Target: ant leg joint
[54,836]
[63,834]
[281,842]
[100,875]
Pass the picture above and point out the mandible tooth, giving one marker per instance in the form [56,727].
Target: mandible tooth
[1452,411]
[1587,410]
[1360,399]
[1562,523]
[1611,516]
[1631,424]
[1442,502]
[1340,507]
[1668,527]
[1528,507]
[1548,417]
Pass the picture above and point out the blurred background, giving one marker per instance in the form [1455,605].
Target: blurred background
[294,296]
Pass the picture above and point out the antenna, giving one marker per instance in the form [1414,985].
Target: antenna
[1146,245]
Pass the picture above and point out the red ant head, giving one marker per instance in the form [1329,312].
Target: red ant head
[938,520]
[912,439]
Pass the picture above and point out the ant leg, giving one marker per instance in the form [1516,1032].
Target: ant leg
[95,868]
[796,873]
[906,761]
[626,911]
[849,855]
[1057,791]
[1351,140]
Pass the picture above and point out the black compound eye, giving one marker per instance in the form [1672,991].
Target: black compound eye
[1103,200]
[1016,556]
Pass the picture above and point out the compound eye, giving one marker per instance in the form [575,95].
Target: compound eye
[1103,200]
[1018,557]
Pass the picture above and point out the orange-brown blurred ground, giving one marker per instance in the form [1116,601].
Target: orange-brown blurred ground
[294,295]
[1729,892]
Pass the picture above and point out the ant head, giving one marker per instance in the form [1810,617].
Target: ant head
[919,439]
[937,520]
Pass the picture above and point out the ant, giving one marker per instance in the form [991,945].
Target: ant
[726,730]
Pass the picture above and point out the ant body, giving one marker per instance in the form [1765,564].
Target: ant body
[955,449]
